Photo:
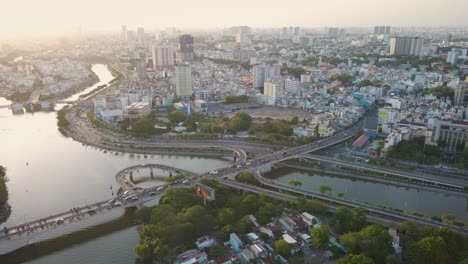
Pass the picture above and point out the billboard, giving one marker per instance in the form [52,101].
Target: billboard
[206,192]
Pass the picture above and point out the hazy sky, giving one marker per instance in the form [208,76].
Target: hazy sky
[20,16]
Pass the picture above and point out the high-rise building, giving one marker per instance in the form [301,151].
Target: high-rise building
[163,56]
[262,73]
[333,32]
[296,31]
[140,34]
[291,85]
[183,80]
[124,33]
[453,133]
[406,46]
[388,30]
[456,54]
[241,39]
[141,67]
[186,48]
[460,92]
[382,30]
[274,88]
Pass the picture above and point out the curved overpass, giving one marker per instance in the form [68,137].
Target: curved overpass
[123,177]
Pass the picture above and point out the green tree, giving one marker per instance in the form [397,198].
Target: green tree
[143,214]
[282,247]
[348,220]
[176,116]
[355,259]
[392,259]
[373,240]
[143,126]
[201,219]
[320,236]
[432,250]
[226,216]
[295,182]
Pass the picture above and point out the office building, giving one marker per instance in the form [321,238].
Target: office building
[261,73]
[406,46]
[183,80]
[452,133]
[186,50]
[163,56]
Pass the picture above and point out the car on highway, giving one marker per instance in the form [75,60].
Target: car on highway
[117,203]
[59,221]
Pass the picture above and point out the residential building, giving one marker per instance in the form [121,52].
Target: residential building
[406,46]
[274,88]
[262,73]
[183,80]
[291,85]
[163,56]
[452,133]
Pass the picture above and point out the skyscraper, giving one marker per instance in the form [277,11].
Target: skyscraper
[163,56]
[186,48]
[183,80]
[406,46]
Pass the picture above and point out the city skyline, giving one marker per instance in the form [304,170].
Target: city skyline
[53,16]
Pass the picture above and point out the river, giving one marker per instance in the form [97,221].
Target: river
[428,203]
[50,173]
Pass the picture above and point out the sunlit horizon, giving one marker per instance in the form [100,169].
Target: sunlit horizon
[53,16]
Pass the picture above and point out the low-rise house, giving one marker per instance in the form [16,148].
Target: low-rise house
[205,242]
[235,242]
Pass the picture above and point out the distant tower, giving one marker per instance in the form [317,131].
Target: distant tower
[186,48]
[140,34]
[123,35]
[141,67]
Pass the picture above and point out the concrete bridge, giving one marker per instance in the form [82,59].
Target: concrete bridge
[80,218]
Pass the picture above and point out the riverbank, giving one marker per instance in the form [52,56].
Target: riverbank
[5,209]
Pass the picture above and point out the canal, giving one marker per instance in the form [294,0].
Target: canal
[411,200]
